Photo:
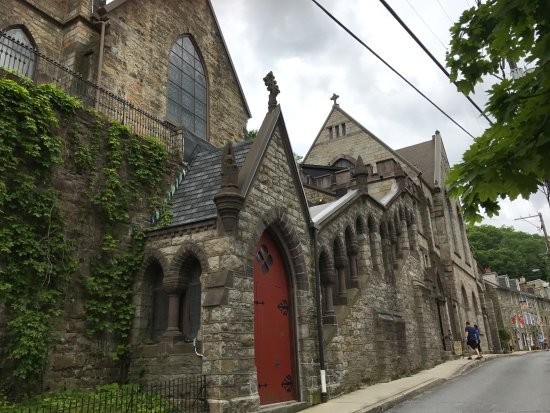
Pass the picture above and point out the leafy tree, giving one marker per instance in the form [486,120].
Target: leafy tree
[511,158]
[251,135]
[510,252]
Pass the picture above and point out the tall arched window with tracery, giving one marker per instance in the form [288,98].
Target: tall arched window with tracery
[186,104]
[16,51]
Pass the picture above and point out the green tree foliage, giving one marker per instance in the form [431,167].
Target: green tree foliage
[510,252]
[251,135]
[511,158]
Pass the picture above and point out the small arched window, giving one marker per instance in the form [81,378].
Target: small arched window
[16,51]
[159,301]
[344,163]
[186,104]
[190,300]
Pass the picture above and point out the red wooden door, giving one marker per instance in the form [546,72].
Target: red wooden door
[272,325]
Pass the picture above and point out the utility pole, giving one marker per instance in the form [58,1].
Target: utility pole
[543,227]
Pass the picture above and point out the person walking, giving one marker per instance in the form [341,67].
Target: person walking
[478,338]
[471,340]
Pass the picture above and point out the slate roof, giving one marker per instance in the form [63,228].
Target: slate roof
[194,198]
[421,155]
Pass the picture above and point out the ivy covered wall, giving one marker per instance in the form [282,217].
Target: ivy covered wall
[76,194]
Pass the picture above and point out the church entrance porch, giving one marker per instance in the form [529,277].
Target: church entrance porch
[273,335]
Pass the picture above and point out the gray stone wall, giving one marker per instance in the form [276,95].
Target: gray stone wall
[77,359]
[389,318]
[137,47]
[227,325]
[47,34]
[274,202]
[354,143]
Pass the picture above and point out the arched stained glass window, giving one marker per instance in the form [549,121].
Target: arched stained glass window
[187,88]
[16,51]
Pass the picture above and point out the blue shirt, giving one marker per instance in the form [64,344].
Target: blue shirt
[471,333]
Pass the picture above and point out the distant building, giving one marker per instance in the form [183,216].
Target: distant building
[520,308]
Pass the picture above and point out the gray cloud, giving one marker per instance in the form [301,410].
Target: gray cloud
[312,58]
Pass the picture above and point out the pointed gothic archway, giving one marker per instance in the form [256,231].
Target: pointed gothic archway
[273,326]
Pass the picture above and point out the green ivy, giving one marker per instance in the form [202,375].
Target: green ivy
[36,259]
[133,166]
[124,173]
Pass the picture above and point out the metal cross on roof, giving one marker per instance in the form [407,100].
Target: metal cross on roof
[273,88]
[335,98]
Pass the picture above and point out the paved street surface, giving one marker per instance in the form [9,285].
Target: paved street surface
[503,385]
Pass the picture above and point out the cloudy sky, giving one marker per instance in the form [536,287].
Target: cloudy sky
[312,58]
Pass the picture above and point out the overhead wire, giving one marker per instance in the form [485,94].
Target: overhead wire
[427,25]
[445,11]
[390,67]
[425,49]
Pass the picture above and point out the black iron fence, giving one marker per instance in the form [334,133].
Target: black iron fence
[23,59]
[184,395]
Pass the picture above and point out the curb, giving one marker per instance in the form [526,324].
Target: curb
[470,366]
[399,398]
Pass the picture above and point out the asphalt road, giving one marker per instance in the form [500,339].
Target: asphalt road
[504,385]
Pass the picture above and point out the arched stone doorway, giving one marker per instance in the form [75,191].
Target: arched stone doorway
[273,326]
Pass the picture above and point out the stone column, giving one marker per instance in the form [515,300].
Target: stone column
[353,250]
[173,288]
[329,316]
[328,278]
[386,257]
[376,250]
[364,256]
[413,236]
[403,236]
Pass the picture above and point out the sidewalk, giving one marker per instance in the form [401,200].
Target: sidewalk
[382,396]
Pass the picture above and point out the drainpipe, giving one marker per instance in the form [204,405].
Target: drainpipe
[324,394]
[103,21]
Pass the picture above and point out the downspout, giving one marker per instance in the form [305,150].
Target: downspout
[103,21]
[324,394]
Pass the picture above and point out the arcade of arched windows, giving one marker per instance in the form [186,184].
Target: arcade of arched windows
[366,246]
[169,296]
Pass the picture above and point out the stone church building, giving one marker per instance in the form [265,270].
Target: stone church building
[284,284]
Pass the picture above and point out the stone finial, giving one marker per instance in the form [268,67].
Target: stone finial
[273,89]
[335,98]
[229,200]
[230,170]
[361,175]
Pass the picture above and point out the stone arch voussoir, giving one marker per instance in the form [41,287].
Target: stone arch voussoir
[187,250]
[278,219]
[151,256]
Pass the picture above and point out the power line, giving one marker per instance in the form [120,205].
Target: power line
[427,25]
[439,65]
[390,67]
[444,11]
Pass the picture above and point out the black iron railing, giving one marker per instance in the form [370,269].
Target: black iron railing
[184,395]
[20,58]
